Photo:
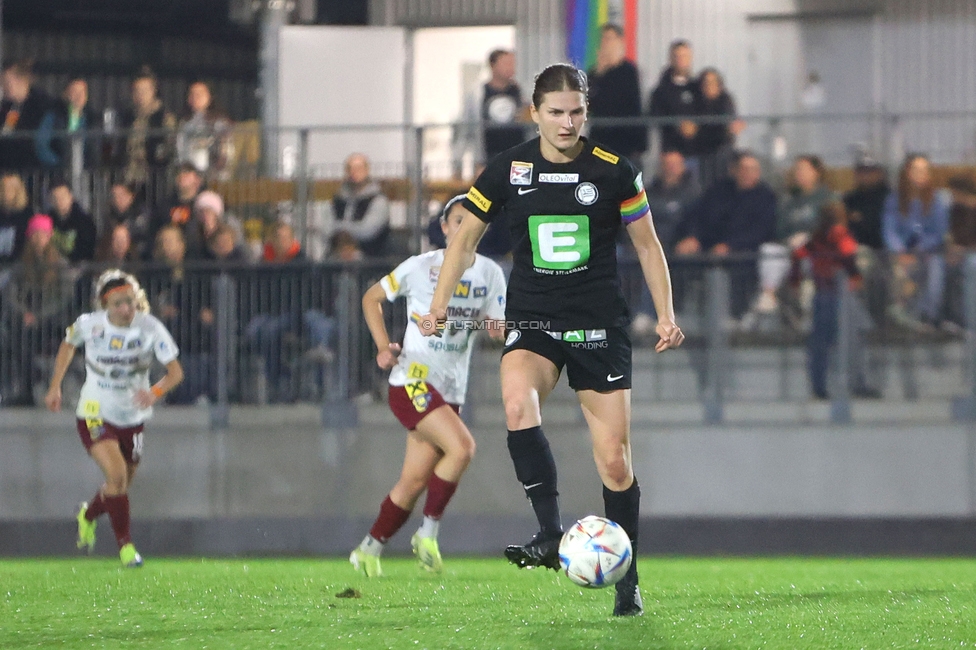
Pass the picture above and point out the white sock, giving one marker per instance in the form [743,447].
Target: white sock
[429,528]
[371,546]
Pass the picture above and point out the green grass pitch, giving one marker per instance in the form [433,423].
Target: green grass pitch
[485,603]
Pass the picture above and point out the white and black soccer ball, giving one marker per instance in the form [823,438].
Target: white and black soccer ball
[595,552]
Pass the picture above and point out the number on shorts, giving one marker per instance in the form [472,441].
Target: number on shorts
[136,446]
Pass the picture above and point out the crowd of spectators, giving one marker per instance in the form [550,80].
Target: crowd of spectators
[710,202]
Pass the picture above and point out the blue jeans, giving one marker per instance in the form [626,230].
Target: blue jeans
[823,337]
[267,332]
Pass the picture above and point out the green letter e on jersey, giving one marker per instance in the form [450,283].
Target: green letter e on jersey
[560,242]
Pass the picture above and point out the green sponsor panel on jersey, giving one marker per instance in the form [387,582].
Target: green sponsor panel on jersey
[559,242]
[574,336]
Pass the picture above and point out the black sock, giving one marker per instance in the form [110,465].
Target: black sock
[624,508]
[536,470]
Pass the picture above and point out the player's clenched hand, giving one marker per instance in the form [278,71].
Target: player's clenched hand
[53,399]
[144,398]
[387,358]
[433,324]
[671,336]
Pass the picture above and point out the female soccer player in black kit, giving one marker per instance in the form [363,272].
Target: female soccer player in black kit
[565,199]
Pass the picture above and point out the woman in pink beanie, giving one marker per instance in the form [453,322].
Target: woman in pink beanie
[39,296]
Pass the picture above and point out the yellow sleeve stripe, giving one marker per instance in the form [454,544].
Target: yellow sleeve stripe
[394,285]
[605,155]
[479,200]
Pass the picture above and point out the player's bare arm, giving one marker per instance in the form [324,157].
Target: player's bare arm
[658,278]
[387,352]
[65,354]
[458,257]
[172,379]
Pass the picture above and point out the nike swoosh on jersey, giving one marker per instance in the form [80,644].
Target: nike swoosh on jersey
[526,190]
[609,378]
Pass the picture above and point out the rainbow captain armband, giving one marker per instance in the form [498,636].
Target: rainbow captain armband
[634,208]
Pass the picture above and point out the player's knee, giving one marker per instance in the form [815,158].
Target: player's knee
[467,448]
[115,484]
[518,409]
[616,472]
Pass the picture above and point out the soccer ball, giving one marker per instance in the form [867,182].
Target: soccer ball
[595,552]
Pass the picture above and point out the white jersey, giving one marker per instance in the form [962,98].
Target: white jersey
[443,361]
[117,360]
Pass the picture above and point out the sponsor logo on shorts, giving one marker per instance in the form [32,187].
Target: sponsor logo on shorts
[605,155]
[513,336]
[586,193]
[559,178]
[520,173]
[419,394]
[583,339]
[479,199]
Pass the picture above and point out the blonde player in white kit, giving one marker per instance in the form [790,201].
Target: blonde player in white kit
[427,386]
[121,339]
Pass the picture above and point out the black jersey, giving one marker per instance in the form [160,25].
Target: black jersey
[564,219]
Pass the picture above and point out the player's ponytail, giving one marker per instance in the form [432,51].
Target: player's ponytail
[114,279]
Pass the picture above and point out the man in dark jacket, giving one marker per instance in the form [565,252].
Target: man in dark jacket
[149,128]
[615,92]
[361,209]
[21,112]
[677,95]
[178,209]
[865,203]
[735,215]
[75,235]
[63,141]
[670,194]
[501,105]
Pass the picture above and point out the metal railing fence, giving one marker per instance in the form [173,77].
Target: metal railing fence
[294,332]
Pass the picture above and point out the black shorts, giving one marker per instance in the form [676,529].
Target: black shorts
[597,359]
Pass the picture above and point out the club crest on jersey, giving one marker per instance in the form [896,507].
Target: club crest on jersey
[116,343]
[98,332]
[520,173]
[463,289]
[586,193]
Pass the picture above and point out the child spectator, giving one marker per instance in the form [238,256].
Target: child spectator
[832,249]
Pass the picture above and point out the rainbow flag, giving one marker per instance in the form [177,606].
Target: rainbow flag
[583,21]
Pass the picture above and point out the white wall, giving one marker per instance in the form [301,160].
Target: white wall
[342,76]
[445,91]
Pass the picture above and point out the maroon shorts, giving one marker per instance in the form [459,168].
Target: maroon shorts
[129,438]
[411,403]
